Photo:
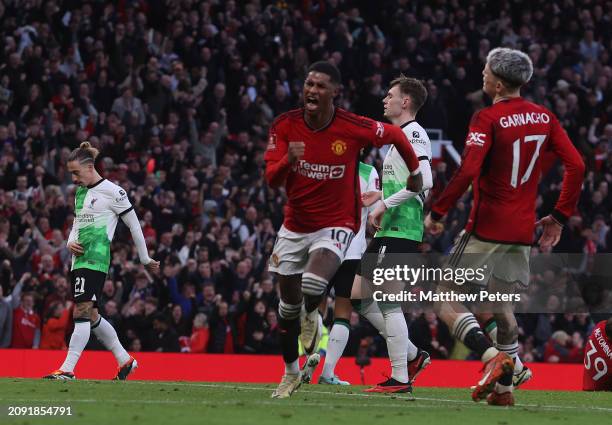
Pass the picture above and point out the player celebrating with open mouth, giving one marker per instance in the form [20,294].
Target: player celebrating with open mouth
[314,152]
[98,206]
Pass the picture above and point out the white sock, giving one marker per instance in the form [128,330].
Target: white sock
[397,342]
[518,365]
[78,341]
[313,315]
[372,313]
[338,337]
[493,334]
[412,349]
[500,389]
[292,368]
[512,350]
[107,335]
[489,354]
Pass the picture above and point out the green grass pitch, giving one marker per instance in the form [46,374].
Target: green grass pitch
[176,403]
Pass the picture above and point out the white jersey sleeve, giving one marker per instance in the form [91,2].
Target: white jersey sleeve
[373,186]
[419,140]
[368,181]
[119,203]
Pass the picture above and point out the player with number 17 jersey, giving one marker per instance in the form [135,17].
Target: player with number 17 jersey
[502,161]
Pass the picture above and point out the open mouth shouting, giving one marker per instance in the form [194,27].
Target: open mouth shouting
[311,103]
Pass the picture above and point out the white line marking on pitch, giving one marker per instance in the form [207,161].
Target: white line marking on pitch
[466,403]
[296,403]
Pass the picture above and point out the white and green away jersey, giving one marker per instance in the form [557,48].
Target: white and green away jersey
[368,182]
[406,220]
[97,210]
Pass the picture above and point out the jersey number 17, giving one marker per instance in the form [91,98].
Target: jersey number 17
[516,158]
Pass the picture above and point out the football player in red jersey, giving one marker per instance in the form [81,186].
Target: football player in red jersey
[598,358]
[314,152]
[501,161]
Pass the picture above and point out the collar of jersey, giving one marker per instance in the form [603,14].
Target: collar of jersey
[317,130]
[406,123]
[91,186]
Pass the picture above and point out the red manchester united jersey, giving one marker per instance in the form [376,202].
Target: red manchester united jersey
[322,186]
[598,360]
[502,161]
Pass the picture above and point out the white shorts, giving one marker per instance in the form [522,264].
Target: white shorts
[357,247]
[291,249]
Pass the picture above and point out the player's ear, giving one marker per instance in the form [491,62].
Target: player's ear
[406,102]
[336,89]
[499,86]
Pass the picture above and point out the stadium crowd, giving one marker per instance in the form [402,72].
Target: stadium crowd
[178,97]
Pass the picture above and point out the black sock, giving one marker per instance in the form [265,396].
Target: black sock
[506,380]
[289,330]
[311,302]
[476,341]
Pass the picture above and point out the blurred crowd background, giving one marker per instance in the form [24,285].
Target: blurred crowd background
[178,97]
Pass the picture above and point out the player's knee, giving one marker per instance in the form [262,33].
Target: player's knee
[94,319]
[313,285]
[82,312]
[288,311]
[325,260]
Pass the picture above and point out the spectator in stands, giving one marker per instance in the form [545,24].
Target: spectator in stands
[55,325]
[181,120]
[432,335]
[162,337]
[8,305]
[200,335]
[222,330]
[561,348]
[26,324]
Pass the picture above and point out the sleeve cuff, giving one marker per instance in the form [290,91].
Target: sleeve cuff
[559,217]
[126,211]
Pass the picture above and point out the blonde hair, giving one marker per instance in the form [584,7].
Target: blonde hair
[84,154]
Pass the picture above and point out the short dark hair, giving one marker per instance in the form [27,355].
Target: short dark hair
[413,88]
[327,68]
[609,328]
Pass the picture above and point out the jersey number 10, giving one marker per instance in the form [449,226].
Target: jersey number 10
[516,158]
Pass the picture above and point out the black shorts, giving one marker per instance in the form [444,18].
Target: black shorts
[378,248]
[86,285]
[342,282]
